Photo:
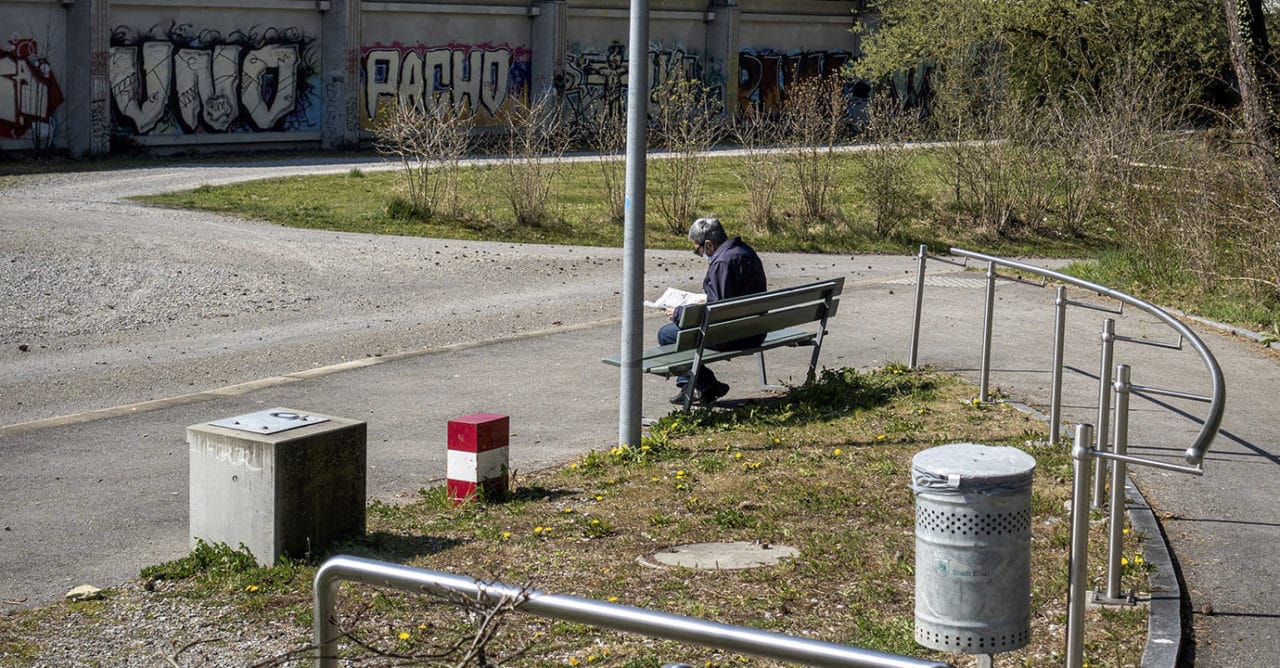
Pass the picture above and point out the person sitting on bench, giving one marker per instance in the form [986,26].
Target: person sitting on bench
[734,271]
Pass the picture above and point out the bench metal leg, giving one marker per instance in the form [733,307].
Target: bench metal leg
[764,378]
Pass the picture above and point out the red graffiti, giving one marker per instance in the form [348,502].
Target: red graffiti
[29,93]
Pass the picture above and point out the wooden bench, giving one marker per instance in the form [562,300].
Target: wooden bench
[776,314]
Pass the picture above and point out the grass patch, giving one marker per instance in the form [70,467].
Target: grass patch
[825,470]
[374,203]
[1165,285]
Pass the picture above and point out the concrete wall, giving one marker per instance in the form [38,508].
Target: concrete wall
[99,76]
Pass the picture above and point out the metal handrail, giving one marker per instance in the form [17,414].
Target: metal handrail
[583,611]
[1213,420]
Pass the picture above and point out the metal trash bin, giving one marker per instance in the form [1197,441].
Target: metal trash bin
[973,548]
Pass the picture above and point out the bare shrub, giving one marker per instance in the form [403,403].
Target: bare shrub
[884,177]
[429,145]
[684,123]
[764,167]
[814,112]
[607,135]
[534,143]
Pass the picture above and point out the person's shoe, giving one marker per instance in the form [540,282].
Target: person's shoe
[711,394]
[678,399]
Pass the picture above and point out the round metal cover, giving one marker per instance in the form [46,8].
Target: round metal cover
[721,556]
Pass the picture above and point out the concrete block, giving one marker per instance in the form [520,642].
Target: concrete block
[478,456]
[289,492]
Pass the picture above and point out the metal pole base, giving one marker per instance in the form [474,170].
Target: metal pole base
[1100,599]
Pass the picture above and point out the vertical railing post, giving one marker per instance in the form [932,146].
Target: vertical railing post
[1104,408]
[923,257]
[1080,453]
[1120,444]
[325,628]
[1059,341]
[987,324]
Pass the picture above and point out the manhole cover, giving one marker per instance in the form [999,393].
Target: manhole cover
[720,556]
[943,281]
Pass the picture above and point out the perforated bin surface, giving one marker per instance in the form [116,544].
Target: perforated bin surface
[973,549]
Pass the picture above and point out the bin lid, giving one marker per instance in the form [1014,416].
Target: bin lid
[968,468]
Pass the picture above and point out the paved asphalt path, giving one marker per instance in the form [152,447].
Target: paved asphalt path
[122,324]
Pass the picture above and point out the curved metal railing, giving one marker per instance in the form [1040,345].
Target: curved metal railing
[584,611]
[1217,400]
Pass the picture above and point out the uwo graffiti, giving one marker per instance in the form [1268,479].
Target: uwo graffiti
[29,93]
[183,83]
[473,78]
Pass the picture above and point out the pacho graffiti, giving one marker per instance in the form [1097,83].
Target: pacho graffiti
[478,78]
[29,93]
[185,82]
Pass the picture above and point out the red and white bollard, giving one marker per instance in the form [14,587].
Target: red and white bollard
[478,456]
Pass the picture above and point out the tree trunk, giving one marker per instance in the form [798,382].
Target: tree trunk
[1257,80]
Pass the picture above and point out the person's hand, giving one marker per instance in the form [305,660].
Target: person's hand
[671,314]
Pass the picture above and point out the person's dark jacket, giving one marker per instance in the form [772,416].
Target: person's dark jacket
[734,271]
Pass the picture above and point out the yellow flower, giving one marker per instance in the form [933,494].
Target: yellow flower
[1137,559]
[653,479]
[880,437]
[568,510]
[1125,531]
[573,661]
[836,452]
[599,498]
[680,473]
[591,658]
[1124,561]
[594,522]
[422,627]
[777,441]
[613,599]
[680,486]
[506,535]
[251,588]
[404,635]
[537,529]
[644,448]
[737,455]
[693,500]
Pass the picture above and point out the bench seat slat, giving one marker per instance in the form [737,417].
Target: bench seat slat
[739,307]
[668,361]
[740,328]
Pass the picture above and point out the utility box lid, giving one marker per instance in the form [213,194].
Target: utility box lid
[270,421]
[968,468]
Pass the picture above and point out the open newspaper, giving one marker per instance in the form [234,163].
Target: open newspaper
[673,298]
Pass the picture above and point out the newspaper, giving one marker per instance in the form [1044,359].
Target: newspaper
[673,298]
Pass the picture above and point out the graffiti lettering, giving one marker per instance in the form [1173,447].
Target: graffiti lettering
[29,93]
[474,78]
[182,83]
[595,82]
[764,75]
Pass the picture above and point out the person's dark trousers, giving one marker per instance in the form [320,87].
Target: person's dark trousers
[706,377]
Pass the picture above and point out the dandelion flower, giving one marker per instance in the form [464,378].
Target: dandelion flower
[613,599]
[404,635]
[777,441]
[573,661]
[537,529]
[599,498]
[837,452]
[1124,561]
[568,510]
[506,535]
[595,522]
[251,588]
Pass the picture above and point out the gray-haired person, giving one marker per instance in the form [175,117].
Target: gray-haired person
[734,270]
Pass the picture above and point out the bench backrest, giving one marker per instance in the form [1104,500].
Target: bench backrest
[761,313]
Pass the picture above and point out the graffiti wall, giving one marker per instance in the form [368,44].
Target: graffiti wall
[29,93]
[765,74]
[482,79]
[179,80]
[595,81]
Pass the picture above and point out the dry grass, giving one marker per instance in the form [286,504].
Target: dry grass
[826,472]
